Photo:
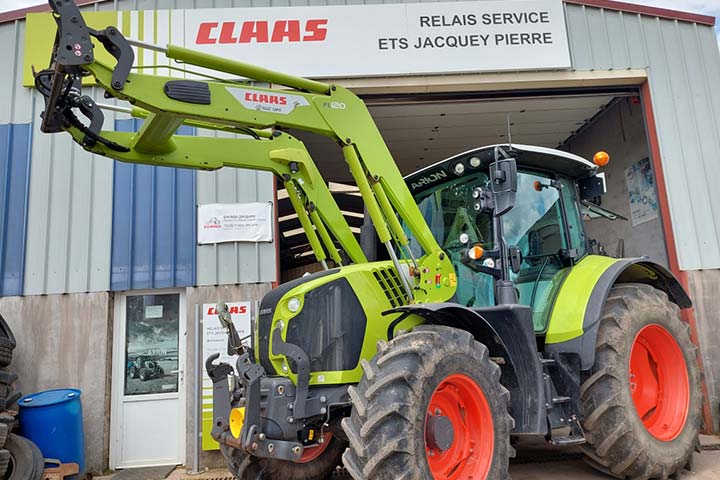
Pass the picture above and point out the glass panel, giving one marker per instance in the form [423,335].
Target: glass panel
[572,210]
[151,345]
[449,211]
[535,225]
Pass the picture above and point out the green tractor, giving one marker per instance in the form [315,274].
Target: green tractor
[542,338]
[489,320]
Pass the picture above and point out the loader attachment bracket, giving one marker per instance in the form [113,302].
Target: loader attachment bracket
[301,360]
[118,46]
[61,83]
[73,46]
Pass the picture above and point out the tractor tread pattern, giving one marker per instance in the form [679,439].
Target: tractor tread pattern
[387,399]
[617,442]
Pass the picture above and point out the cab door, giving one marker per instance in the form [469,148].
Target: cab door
[538,225]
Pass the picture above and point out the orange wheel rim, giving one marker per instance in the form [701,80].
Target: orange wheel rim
[459,402]
[311,453]
[659,382]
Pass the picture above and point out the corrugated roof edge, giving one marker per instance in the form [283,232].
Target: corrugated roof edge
[21,12]
[608,4]
[646,10]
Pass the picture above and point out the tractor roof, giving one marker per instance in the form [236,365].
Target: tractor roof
[527,156]
[565,163]
[543,158]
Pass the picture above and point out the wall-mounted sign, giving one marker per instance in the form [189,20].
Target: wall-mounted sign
[641,192]
[235,222]
[349,40]
[215,341]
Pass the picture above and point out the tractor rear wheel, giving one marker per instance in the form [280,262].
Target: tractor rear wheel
[429,406]
[641,401]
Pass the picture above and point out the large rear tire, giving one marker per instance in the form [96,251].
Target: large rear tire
[429,406]
[641,401]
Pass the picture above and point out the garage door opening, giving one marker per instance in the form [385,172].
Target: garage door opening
[421,131]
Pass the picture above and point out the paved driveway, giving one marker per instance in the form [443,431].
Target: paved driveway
[707,467]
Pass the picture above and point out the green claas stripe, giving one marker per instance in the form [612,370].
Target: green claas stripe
[566,321]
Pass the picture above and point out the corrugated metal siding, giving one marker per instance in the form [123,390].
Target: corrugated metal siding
[69,217]
[681,57]
[17,100]
[153,242]
[14,177]
[69,228]
[70,192]
[239,262]
[683,64]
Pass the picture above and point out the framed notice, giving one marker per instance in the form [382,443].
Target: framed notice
[235,222]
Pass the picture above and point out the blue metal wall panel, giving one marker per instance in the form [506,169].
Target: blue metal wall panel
[14,182]
[153,239]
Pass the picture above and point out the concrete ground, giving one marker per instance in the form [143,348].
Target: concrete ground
[534,462]
[707,467]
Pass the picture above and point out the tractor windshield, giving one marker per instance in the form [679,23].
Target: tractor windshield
[449,212]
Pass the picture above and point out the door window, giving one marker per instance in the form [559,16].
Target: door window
[574,218]
[535,225]
[151,346]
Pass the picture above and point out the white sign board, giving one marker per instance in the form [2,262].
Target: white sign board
[215,341]
[235,222]
[390,39]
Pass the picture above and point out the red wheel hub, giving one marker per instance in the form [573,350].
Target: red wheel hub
[460,438]
[659,382]
[313,452]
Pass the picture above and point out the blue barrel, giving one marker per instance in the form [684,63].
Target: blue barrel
[53,421]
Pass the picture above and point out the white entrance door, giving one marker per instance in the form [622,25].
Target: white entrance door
[148,393]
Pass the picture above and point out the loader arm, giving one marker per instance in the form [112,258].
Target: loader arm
[166,103]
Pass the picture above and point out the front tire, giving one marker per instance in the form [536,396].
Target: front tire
[318,463]
[429,406]
[641,402]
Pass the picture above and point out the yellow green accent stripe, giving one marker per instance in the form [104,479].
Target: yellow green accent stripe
[566,320]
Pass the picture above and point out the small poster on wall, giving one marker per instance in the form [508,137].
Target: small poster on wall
[235,222]
[641,192]
[215,341]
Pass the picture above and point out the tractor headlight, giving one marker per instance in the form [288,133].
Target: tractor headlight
[293,304]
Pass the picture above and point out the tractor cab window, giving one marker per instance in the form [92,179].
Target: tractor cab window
[449,212]
[536,226]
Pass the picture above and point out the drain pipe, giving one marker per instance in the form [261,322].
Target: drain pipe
[197,429]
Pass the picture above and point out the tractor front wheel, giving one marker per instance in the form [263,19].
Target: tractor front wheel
[641,401]
[429,406]
[317,463]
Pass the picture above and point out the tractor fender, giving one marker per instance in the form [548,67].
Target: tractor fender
[507,332]
[617,271]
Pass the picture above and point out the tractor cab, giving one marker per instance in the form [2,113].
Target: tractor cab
[543,224]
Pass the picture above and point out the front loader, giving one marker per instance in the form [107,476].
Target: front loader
[489,320]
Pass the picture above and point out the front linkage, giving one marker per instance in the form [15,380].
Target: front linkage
[240,413]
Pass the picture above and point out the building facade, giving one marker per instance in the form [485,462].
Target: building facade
[84,238]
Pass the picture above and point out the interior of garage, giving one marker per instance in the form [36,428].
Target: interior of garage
[423,130]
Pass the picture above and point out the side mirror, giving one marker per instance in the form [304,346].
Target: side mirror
[592,187]
[503,178]
[516,258]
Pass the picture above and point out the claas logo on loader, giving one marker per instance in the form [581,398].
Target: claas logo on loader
[262,31]
[265,98]
[234,310]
